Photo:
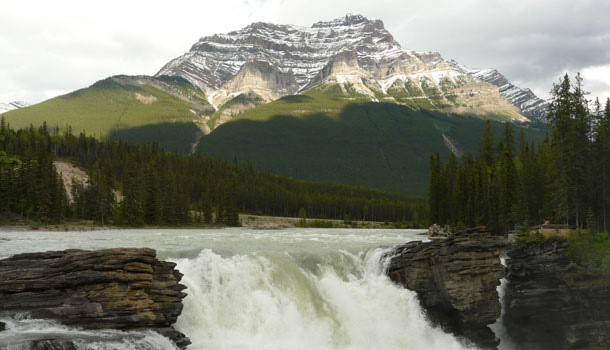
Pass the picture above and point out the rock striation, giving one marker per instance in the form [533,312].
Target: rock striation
[551,302]
[455,279]
[356,53]
[122,288]
[530,105]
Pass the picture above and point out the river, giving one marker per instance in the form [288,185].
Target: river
[310,289]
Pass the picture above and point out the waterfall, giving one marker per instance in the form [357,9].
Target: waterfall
[301,300]
[312,289]
[498,326]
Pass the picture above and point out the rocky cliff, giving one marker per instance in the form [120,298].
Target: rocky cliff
[528,103]
[124,289]
[455,279]
[358,54]
[554,303]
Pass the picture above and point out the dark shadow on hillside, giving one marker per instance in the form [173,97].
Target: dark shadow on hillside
[176,137]
[296,98]
[379,145]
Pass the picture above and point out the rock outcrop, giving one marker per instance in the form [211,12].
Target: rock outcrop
[123,288]
[356,53]
[456,280]
[551,302]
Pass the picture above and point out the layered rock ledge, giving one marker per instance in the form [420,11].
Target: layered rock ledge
[123,288]
[552,302]
[455,279]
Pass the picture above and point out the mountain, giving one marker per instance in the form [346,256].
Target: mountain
[531,106]
[323,135]
[340,101]
[268,61]
[137,108]
[5,107]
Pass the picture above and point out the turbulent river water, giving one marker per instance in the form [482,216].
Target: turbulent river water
[310,289]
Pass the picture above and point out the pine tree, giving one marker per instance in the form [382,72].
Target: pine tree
[153,201]
[435,191]
[207,212]
[132,209]
[559,115]
[487,145]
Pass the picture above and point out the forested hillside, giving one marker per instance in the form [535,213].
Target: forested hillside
[323,136]
[136,108]
[143,184]
[565,179]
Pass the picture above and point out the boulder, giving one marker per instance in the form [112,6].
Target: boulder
[455,279]
[437,232]
[122,288]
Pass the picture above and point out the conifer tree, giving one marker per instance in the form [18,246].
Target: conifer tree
[435,190]
[487,145]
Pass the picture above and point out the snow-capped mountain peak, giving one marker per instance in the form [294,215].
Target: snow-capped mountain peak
[272,60]
[530,105]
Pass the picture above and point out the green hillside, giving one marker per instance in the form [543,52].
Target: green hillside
[325,137]
[140,109]
[330,133]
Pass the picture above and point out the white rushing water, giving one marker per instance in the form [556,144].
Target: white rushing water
[253,289]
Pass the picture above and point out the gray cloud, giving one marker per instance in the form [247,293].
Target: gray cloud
[55,48]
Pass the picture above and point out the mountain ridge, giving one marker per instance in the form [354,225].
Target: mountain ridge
[5,107]
[276,60]
[530,105]
[361,110]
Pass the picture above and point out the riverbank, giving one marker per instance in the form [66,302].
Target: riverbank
[277,222]
[62,227]
[246,220]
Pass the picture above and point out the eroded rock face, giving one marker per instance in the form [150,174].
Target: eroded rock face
[123,288]
[356,53]
[456,280]
[554,303]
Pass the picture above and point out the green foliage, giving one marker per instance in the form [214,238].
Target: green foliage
[117,107]
[488,189]
[591,250]
[30,187]
[170,136]
[525,236]
[376,145]
[347,219]
[564,178]
[570,143]
[155,187]
[302,217]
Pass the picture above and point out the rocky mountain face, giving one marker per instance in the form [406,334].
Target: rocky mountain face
[356,53]
[121,288]
[5,107]
[530,105]
[455,279]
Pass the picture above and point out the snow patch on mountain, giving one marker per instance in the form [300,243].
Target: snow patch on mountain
[5,107]
[530,105]
[358,54]
[300,51]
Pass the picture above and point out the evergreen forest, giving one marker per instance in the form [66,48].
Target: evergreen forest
[565,179]
[135,185]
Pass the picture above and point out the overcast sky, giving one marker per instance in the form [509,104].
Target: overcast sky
[48,48]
